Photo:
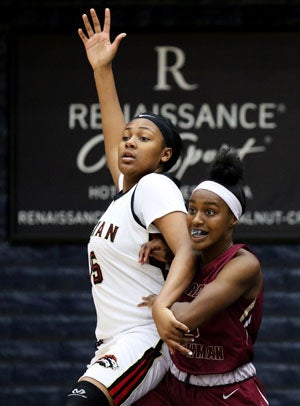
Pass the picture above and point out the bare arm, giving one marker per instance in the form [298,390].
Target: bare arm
[241,277]
[174,229]
[101,52]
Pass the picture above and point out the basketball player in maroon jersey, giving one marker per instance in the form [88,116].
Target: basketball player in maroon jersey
[222,307]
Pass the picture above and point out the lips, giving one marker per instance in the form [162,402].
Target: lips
[198,233]
[127,156]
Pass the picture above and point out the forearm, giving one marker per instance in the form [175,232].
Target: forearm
[217,295]
[169,328]
[181,274]
[112,117]
[111,112]
[182,312]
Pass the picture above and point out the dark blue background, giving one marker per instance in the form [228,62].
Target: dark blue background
[46,315]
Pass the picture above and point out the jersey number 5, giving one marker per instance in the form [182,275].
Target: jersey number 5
[96,273]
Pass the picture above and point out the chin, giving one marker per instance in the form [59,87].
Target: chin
[197,245]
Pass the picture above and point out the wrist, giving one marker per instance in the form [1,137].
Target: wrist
[102,70]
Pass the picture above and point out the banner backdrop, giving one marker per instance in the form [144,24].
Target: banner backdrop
[237,89]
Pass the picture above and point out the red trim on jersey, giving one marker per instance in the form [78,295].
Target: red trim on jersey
[122,388]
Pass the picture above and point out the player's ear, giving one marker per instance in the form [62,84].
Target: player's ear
[167,153]
[233,221]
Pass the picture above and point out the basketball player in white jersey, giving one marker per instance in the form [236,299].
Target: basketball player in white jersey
[130,359]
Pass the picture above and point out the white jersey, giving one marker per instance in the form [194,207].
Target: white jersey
[118,280]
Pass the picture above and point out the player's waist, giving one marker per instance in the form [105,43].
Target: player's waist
[240,374]
[111,327]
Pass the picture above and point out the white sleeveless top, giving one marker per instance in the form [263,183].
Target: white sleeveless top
[118,280]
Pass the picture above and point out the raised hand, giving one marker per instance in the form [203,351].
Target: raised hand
[99,49]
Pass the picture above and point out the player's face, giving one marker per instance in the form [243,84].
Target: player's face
[142,149]
[210,223]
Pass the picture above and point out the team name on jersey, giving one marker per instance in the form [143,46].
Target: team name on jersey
[106,231]
[210,352]
[194,289]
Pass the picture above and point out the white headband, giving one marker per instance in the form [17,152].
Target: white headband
[229,198]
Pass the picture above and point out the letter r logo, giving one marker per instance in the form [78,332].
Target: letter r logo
[163,69]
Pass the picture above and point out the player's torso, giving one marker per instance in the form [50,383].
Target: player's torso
[222,343]
[118,280]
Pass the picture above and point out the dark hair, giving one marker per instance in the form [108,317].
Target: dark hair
[170,134]
[228,170]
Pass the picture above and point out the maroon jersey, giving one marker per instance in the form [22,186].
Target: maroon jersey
[225,342]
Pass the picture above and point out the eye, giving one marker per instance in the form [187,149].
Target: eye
[143,138]
[192,211]
[210,212]
[125,138]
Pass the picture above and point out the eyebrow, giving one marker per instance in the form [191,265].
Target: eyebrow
[140,127]
[206,202]
[151,130]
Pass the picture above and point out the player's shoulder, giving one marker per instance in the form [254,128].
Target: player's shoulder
[246,256]
[245,251]
[157,179]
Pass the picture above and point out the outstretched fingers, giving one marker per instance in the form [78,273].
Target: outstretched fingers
[87,25]
[96,22]
[82,35]
[106,25]
[90,30]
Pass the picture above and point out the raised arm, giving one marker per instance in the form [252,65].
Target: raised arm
[100,53]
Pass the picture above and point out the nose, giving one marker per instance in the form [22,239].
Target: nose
[198,218]
[131,142]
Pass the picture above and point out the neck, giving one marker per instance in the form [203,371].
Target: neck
[129,182]
[209,254]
